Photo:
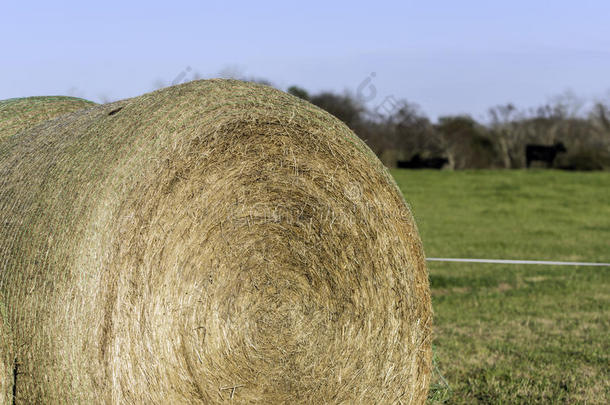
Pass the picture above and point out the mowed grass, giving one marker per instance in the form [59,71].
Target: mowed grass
[516,333]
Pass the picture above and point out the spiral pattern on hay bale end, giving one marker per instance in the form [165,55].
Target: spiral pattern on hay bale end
[210,242]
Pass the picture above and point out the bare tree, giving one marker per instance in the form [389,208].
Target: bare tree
[502,125]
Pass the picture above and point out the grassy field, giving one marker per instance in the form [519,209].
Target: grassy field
[517,333]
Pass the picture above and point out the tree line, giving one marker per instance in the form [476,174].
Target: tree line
[405,132]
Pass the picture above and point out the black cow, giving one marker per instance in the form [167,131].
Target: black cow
[543,153]
[418,163]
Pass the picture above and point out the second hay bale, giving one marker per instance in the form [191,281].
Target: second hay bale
[18,114]
[209,242]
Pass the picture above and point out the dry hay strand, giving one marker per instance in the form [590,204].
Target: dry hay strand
[210,242]
[7,360]
[18,114]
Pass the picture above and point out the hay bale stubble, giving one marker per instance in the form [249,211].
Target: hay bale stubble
[7,359]
[209,242]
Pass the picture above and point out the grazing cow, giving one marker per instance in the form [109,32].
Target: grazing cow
[543,153]
[418,163]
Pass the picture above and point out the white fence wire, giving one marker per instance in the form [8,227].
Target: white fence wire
[503,261]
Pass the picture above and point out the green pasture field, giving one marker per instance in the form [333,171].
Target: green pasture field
[516,333]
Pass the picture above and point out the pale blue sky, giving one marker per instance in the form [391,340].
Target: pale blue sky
[448,56]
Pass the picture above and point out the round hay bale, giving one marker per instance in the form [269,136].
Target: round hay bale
[18,114]
[210,242]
